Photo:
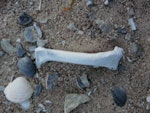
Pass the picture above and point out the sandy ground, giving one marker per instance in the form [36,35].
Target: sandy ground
[133,76]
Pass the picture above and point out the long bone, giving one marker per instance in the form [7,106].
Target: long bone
[109,59]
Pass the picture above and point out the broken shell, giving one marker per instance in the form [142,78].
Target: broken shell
[51,81]
[82,82]
[27,67]
[20,50]
[18,91]
[7,47]
[24,19]
[29,34]
[119,96]
[38,90]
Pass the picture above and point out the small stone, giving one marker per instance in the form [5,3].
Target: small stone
[128,36]
[106,2]
[32,48]
[72,101]
[89,2]
[131,11]
[82,82]
[41,43]
[80,32]
[132,24]
[44,20]
[121,31]
[136,49]
[1,53]
[104,27]
[119,96]
[20,51]
[29,34]
[51,81]
[38,30]
[38,90]
[72,27]
[24,19]
[7,47]
[2,88]
[42,107]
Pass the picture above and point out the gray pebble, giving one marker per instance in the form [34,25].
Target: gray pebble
[131,11]
[51,81]
[104,27]
[121,31]
[32,48]
[136,49]
[20,50]
[89,2]
[82,82]
[72,27]
[7,47]
[29,34]
[41,43]
[1,53]
[38,90]
[2,88]
[128,36]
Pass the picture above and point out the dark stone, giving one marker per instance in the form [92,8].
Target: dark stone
[51,81]
[27,67]
[119,96]
[121,31]
[20,50]
[38,90]
[24,19]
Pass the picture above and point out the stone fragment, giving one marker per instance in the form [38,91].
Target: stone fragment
[72,101]
[29,34]
[38,30]
[20,50]
[51,81]
[72,27]
[41,43]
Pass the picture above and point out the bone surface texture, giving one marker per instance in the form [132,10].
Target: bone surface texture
[109,59]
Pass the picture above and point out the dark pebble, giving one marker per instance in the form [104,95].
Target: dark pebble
[121,31]
[27,67]
[119,96]
[20,50]
[25,19]
[38,90]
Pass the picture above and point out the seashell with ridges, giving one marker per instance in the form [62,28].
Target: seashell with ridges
[27,67]
[18,91]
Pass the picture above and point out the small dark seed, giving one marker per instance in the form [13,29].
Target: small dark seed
[24,19]
[119,96]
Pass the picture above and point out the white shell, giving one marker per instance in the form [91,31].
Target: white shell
[19,90]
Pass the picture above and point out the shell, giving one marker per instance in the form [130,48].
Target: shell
[24,19]
[7,47]
[119,96]
[29,34]
[20,50]
[27,67]
[18,91]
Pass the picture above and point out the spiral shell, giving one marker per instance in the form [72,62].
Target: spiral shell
[18,91]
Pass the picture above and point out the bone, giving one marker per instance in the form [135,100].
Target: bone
[109,59]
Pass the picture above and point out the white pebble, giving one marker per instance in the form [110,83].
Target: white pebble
[132,24]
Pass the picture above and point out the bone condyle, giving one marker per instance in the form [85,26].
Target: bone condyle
[109,59]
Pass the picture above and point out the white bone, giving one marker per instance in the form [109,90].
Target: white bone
[109,59]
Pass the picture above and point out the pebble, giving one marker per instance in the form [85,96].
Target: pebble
[51,81]
[119,96]
[72,27]
[128,36]
[89,2]
[41,43]
[7,47]
[136,49]
[132,24]
[38,90]
[42,108]
[121,31]
[26,67]
[80,32]
[24,19]
[148,100]
[130,11]
[32,48]
[104,27]
[82,82]
[1,53]
[2,88]
[72,101]
[29,35]
[20,51]
[106,2]
[38,30]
